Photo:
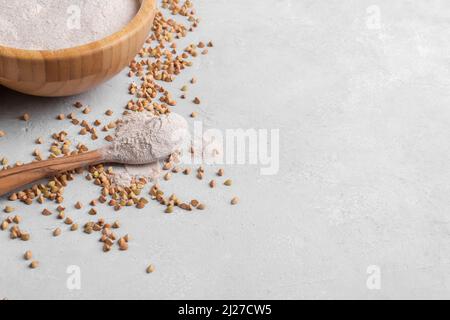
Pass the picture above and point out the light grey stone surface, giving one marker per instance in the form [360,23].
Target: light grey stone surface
[360,91]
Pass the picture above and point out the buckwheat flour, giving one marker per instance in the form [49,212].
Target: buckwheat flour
[143,138]
[60,24]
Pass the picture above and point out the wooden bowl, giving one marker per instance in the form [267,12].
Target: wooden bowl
[71,71]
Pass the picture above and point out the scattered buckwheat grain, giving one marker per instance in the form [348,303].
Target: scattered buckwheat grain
[46,212]
[24,236]
[150,269]
[57,232]
[4,225]
[8,209]
[28,255]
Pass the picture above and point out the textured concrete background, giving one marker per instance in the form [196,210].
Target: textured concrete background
[360,91]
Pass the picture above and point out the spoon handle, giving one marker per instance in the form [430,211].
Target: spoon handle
[14,178]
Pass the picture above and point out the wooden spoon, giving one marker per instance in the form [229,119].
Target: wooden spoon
[161,129]
[12,179]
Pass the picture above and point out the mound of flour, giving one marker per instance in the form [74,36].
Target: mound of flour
[142,138]
[140,141]
[60,24]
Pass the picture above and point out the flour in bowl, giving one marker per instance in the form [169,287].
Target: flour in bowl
[61,24]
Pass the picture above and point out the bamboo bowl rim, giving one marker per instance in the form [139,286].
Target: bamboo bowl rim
[133,26]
